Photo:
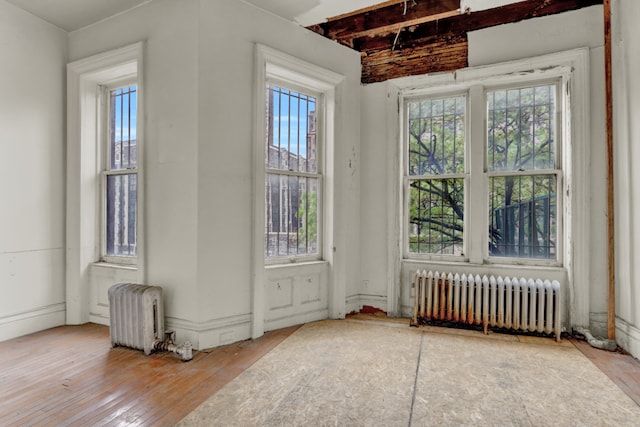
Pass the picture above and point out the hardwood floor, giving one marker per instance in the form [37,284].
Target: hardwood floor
[70,376]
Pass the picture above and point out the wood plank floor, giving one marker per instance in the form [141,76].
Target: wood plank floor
[70,376]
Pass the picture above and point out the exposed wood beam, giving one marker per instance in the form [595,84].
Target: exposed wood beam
[429,36]
[386,18]
[442,53]
[394,28]
[474,21]
[611,311]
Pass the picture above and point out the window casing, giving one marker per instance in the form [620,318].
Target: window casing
[293,173]
[119,175]
[508,174]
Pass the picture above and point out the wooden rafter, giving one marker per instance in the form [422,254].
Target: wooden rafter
[386,18]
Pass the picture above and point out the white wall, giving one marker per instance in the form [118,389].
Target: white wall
[199,79]
[581,28]
[32,84]
[626,94]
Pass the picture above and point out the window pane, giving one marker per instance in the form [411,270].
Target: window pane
[521,129]
[523,216]
[291,219]
[121,214]
[436,216]
[291,131]
[436,136]
[122,129]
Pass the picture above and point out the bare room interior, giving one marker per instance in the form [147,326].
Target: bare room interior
[366,212]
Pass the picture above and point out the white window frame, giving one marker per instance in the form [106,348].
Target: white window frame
[273,64]
[319,174]
[558,171]
[406,98]
[105,133]
[84,157]
[476,82]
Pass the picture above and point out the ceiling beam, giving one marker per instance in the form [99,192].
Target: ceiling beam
[470,22]
[386,18]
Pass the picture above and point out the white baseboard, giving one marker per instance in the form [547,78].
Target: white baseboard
[297,319]
[212,333]
[628,337]
[356,302]
[28,322]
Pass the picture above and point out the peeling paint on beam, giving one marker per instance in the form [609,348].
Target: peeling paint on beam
[448,54]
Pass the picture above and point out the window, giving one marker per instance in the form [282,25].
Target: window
[120,176]
[521,165]
[436,172]
[292,168]
[516,162]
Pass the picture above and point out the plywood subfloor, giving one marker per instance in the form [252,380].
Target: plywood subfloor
[71,376]
[355,372]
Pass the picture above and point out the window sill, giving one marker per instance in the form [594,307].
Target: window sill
[111,265]
[296,264]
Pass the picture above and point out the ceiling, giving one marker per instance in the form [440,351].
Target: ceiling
[71,15]
[395,38]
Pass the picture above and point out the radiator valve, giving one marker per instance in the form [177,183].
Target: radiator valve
[184,351]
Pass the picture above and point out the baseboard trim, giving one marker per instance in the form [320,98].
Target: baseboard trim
[296,319]
[27,322]
[628,337]
[356,302]
[211,333]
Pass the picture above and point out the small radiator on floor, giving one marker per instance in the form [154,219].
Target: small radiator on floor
[136,316]
[512,303]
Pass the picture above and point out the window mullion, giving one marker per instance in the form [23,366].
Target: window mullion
[476,218]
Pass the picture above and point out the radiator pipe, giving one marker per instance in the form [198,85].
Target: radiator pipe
[603,344]
[184,350]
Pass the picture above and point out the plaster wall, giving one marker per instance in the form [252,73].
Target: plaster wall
[169,30]
[539,36]
[199,106]
[32,115]
[626,138]
[580,28]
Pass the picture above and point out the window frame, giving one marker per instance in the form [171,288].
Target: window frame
[557,171]
[105,171]
[420,95]
[476,230]
[319,174]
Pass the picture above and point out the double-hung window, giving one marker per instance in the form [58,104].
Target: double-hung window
[496,185]
[523,172]
[293,180]
[119,177]
[435,174]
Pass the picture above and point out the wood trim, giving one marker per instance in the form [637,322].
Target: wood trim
[611,309]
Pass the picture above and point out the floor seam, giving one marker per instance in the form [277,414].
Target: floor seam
[415,380]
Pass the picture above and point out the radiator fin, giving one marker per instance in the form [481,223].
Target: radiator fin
[504,302]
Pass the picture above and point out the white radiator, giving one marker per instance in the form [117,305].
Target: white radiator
[512,303]
[136,316]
